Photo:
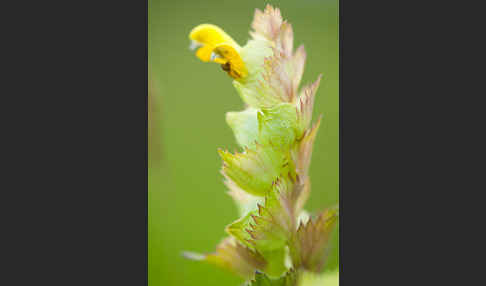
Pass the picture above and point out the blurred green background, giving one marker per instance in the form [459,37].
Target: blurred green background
[188,99]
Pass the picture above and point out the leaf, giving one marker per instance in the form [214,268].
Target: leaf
[289,279]
[309,247]
[232,256]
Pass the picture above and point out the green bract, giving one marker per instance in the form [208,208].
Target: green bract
[275,241]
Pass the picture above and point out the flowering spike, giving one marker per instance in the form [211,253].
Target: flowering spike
[268,179]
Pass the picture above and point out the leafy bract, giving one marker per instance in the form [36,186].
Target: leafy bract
[254,170]
[309,246]
[305,104]
[271,225]
[302,152]
[265,234]
[269,228]
[232,256]
[278,126]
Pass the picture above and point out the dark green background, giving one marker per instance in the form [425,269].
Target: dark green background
[188,204]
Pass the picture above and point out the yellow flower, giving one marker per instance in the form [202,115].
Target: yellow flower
[217,46]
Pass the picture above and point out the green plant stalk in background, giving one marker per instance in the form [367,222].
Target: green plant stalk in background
[275,241]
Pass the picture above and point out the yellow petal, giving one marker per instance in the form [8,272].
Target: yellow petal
[234,65]
[208,34]
[204,53]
